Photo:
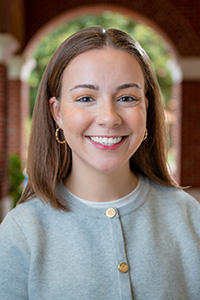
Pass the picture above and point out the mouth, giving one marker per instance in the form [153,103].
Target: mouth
[106,141]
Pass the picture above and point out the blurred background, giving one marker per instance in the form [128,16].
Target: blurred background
[30,31]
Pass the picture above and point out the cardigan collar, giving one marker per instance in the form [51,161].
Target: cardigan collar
[76,206]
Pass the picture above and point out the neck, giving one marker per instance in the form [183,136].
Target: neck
[101,187]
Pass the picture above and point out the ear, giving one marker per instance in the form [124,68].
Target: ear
[54,105]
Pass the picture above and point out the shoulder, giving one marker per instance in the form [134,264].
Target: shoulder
[172,204]
[27,217]
[170,199]
[167,193]
[29,225]
[33,208]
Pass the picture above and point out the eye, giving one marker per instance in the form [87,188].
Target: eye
[128,99]
[85,99]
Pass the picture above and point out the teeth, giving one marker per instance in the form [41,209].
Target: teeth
[106,141]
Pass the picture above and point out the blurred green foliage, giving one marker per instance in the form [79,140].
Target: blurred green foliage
[149,40]
[16,178]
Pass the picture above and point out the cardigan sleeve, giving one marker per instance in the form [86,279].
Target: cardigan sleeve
[14,261]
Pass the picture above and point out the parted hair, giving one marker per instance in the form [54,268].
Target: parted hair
[48,161]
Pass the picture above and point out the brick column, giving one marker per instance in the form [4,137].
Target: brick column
[190,132]
[14,105]
[24,116]
[7,46]
[189,128]
[3,130]
[18,105]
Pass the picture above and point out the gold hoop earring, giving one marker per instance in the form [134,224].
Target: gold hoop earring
[145,135]
[57,137]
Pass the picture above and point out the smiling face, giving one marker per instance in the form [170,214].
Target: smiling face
[102,110]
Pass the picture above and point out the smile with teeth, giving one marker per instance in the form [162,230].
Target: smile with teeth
[107,141]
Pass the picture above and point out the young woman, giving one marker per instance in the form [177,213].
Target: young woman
[100,217]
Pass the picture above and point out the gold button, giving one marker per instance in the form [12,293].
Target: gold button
[123,267]
[111,212]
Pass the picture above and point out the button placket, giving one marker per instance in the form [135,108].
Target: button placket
[120,253]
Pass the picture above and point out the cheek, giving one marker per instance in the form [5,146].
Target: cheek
[137,117]
[74,120]
[142,112]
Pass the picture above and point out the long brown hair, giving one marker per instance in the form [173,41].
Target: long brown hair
[49,162]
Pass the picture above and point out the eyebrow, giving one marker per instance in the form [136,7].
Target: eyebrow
[128,85]
[85,86]
[93,87]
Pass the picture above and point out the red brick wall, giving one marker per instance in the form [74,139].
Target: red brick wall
[24,116]
[190,11]
[18,118]
[177,19]
[190,132]
[3,131]
[14,118]
[176,129]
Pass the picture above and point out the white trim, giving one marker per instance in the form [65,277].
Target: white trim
[14,67]
[8,46]
[190,67]
[175,70]
[27,68]
[18,68]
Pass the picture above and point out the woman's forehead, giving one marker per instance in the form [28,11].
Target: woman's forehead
[107,60]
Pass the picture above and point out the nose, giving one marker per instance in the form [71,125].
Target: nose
[108,116]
